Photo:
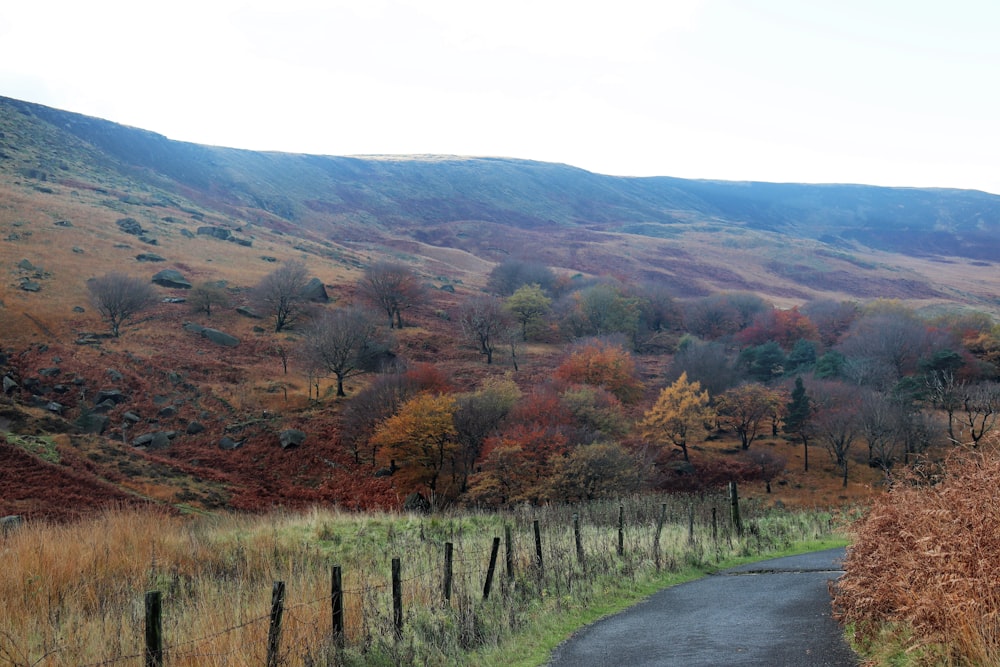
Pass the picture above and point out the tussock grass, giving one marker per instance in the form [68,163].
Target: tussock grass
[73,593]
[920,587]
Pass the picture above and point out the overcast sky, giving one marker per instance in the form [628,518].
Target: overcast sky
[883,92]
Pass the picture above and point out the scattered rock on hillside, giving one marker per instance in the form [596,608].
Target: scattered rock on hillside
[79,309]
[114,395]
[171,278]
[9,384]
[155,440]
[191,327]
[291,437]
[91,422]
[130,226]
[30,286]
[220,233]
[220,337]
[186,233]
[149,257]
[315,291]
[249,312]
[194,428]
[25,265]
[228,444]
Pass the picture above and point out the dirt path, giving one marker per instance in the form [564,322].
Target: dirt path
[769,614]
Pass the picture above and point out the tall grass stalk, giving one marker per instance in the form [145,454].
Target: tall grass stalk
[72,593]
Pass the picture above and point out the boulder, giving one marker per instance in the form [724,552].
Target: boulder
[291,437]
[149,257]
[130,226]
[114,395]
[155,440]
[220,337]
[171,278]
[249,312]
[194,428]
[25,265]
[191,327]
[168,411]
[91,422]
[228,444]
[215,232]
[315,291]
[131,417]
[31,286]
[9,384]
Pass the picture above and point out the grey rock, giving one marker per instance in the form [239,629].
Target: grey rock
[186,233]
[220,337]
[291,437]
[115,375]
[155,440]
[149,240]
[168,411]
[228,444]
[78,250]
[114,395]
[220,233]
[131,417]
[249,312]
[194,428]
[63,223]
[130,226]
[25,265]
[174,299]
[8,384]
[171,278]
[79,309]
[91,422]
[50,372]
[56,407]
[31,286]
[10,523]
[315,291]
[149,257]
[191,327]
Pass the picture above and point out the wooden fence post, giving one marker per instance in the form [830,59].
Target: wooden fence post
[621,531]
[449,555]
[488,586]
[691,523]
[659,529]
[509,552]
[274,632]
[337,604]
[538,552]
[734,503]
[154,629]
[576,537]
[397,599]
[715,526]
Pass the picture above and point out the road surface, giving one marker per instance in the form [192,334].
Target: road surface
[772,613]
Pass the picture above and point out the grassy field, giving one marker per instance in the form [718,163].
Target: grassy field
[73,593]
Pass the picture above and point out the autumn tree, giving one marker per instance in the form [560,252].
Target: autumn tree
[708,362]
[679,413]
[798,418]
[763,362]
[600,310]
[342,342]
[831,318]
[783,327]
[206,296]
[528,305]
[746,407]
[478,415]
[119,298]
[393,288]
[484,323]
[767,464]
[594,471]
[602,364]
[659,316]
[421,440]
[362,415]
[280,294]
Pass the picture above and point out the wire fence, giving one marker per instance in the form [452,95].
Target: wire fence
[458,585]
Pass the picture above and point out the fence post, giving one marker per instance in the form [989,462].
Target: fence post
[449,551]
[576,536]
[691,523]
[734,502]
[488,586]
[337,604]
[621,530]
[659,529]
[715,526]
[509,552]
[397,599]
[538,552]
[154,629]
[274,632]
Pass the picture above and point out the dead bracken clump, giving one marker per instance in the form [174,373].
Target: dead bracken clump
[925,561]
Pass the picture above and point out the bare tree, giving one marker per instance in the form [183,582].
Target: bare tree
[980,410]
[484,323]
[119,298]
[836,421]
[280,294]
[393,288]
[882,420]
[343,343]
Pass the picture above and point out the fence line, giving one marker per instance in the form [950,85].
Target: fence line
[557,564]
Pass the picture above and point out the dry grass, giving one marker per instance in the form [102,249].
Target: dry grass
[922,572]
[73,593]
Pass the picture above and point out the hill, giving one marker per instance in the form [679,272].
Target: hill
[80,196]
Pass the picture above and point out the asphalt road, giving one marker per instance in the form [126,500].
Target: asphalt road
[769,614]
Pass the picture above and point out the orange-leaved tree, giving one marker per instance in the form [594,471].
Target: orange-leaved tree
[679,413]
[420,440]
[602,364]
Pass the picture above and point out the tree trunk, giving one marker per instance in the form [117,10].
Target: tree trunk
[340,387]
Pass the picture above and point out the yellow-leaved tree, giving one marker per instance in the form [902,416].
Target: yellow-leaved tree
[680,411]
[421,441]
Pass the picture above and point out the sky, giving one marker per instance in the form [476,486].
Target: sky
[882,92]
